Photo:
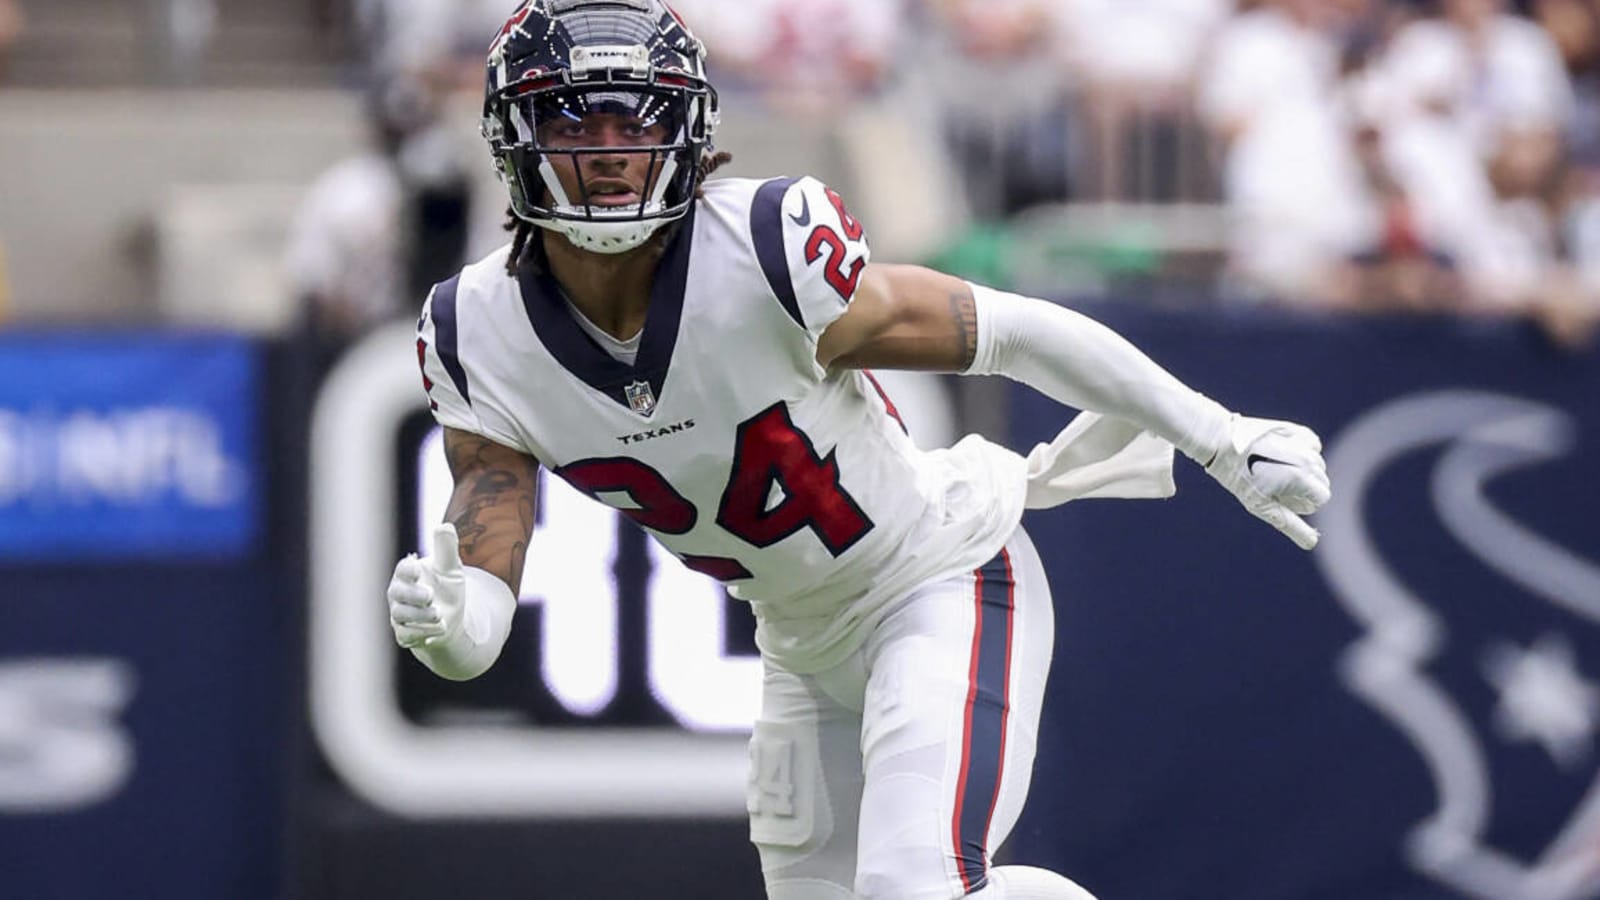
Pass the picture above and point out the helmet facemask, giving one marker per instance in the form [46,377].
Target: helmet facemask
[606,163]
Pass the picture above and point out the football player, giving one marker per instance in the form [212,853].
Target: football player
[695,354]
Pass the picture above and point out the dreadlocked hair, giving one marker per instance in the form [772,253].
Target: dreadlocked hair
[708,166]
[522,231]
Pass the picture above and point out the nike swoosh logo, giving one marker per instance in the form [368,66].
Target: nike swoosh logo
[804,218]
[1254,458]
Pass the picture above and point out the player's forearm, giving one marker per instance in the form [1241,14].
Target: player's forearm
[494,537]
[493,504]
[1081,363]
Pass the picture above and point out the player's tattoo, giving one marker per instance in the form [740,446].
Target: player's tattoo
[487,491]
[493,505]
[964,312]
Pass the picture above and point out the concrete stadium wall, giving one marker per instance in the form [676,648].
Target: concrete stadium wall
[82,172]
[92,182]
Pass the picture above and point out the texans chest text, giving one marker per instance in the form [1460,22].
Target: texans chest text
[642,436]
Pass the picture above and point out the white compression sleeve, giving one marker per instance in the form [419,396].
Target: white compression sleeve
[487,607]
[1078,362]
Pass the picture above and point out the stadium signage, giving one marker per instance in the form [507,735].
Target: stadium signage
[64,747]
[1544,699]
[1411,710]
[130,447]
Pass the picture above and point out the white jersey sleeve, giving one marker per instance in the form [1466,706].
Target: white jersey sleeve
[438,353]
[811,250]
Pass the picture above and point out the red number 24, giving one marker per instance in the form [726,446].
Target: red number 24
[769,451]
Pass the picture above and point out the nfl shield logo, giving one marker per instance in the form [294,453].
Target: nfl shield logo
[641,398]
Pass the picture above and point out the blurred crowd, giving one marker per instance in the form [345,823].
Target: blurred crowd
[1368,154]
[1375,155]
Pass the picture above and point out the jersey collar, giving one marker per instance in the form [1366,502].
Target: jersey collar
[579,354]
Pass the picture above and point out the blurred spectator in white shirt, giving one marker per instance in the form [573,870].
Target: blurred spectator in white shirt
[343,256]
[376,230]
[1291,177]
[1499,75]
[1451,202]
[1478,106]
[805,54]
[1404,265]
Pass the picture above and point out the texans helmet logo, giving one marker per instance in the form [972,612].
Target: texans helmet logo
[497,46]
[1502,705]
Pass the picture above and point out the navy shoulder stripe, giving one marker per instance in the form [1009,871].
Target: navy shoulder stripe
[766,229]
[445,334]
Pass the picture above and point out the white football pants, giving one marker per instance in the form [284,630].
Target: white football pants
[898,772]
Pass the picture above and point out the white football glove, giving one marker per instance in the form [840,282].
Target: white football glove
[1277,471]
[453,618]
[427,596]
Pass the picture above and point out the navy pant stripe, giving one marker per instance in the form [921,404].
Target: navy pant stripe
[983,745]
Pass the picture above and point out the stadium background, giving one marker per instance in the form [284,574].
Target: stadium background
[1381,218]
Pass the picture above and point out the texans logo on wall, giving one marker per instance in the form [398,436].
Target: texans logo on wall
[1500,699]
[1413,710]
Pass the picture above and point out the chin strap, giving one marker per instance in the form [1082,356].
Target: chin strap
[609,238]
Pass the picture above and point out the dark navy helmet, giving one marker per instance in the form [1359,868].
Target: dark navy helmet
[570,81]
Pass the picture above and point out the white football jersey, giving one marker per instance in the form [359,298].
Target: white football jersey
[796,486]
